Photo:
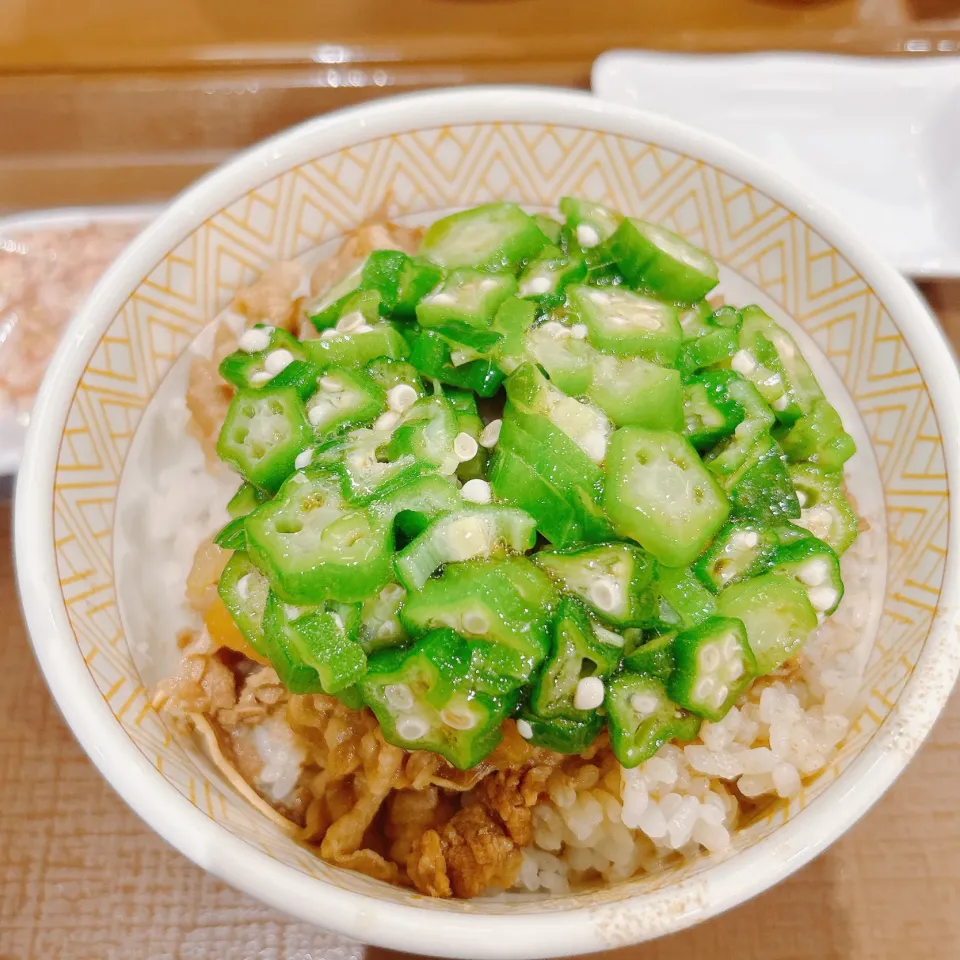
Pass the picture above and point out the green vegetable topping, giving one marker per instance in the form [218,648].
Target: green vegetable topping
[530,472]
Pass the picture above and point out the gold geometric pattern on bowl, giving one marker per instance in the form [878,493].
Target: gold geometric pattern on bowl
[433,170]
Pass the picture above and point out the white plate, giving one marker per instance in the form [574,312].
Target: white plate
[876,139]
[13,425]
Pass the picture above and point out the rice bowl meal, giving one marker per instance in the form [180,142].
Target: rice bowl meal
[538,568]
[496,510]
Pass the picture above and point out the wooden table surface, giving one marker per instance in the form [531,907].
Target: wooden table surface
[81,877]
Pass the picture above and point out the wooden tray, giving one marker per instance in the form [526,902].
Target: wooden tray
[129,102]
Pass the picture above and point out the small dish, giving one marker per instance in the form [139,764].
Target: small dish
[875,139]
[57,232]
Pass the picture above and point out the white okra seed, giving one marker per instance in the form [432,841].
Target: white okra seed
[465,447]
[476,491]
[401,397]
[412,728]
[490,434]
[255,339]
[277,360]
[589,694]
[587,236]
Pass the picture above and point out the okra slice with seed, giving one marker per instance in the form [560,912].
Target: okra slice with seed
[558,733]
[324,310]
[824,509]
[715,346]
[427,432]
[777,614]
[467,534]
[787,533]
[713,666]
[709,336]
[357,347]
[294,674]
[614,580]
[469,429]
[623,322]
[709,414]
[591,223]
[324,639]
[629,390]
[299,374]
[263,433]
[655,259]
[494,236]
[741,550]
[658,493]
[243,590]
[750,437]
[641,717]
[567,358]
[545,280]
[315,547]
[503,603]
[570,685]
[380,626]
[357,312]
[587,425]
[344,397]
[356,458]
[390,374]
[770,359]
[432,355]
[462,308]
[422,700]
[816,567]
[757,415]
[695,320]
[414,500]
[263,355]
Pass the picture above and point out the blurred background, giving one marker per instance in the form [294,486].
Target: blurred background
[130,101]
[124,102]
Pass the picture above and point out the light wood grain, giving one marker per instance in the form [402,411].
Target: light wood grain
[127,101]
[147,34]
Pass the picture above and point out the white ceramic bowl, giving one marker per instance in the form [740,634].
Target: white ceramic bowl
[89,459]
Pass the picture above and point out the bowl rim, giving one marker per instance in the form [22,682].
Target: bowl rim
[404,927]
